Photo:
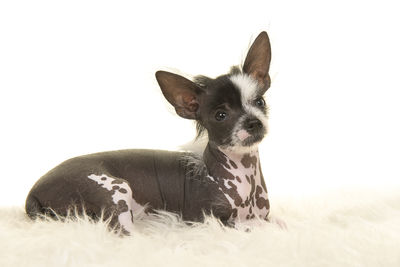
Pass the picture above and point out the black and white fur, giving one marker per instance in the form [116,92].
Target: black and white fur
[226,181]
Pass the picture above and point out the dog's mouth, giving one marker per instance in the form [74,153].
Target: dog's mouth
[244,138]
[253,138]
[247,138]
[244,141]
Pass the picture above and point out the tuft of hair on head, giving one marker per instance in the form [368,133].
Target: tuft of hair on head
[235,70]
[202,81]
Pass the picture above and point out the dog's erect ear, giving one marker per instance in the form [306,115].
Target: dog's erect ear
[258,59]
[182,93]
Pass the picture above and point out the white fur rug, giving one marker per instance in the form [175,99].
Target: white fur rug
[342,228]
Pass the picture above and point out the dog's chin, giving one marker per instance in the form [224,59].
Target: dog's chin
[248,145]
[253,140]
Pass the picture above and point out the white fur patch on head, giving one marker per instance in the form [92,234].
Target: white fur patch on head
[248,86]
[249,92]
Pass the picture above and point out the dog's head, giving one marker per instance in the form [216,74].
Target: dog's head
[230,107]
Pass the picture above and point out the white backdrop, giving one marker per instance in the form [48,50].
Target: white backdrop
[77,77]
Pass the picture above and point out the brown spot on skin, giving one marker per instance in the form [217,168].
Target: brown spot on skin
[258,191]
[247,217]
[242,205]
[249,161]
[260,201]
[233,193]
[232,185]
[123,190]
[248,178]
[223,159]
[255,171]
[233,164]
[117,181]
[115,187]
[234,213]
[131,215]
[103,178]
[238,178]
[223,173]
[247,202]
[252,216]
[122,206]
[250,210]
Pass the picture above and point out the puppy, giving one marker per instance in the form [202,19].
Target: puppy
[226,181]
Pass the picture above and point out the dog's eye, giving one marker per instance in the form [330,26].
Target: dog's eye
[260,102]
[220,115]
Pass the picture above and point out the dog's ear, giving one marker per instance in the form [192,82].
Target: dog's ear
[258,59]
[182,93]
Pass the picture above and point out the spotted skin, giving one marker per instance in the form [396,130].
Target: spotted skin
[241,183]
[121,195]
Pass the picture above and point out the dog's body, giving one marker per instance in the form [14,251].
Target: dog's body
[226,181]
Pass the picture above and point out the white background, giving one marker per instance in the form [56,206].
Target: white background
[77,77]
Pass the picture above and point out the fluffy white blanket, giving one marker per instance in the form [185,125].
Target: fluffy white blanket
[342,228]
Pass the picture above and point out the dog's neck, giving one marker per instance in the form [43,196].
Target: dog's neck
[239,177]
[230,165]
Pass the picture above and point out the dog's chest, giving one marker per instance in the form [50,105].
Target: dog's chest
[241,181]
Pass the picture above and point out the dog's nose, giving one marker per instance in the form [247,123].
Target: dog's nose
[253,124]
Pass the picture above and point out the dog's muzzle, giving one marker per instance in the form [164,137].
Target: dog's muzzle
[253,132]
